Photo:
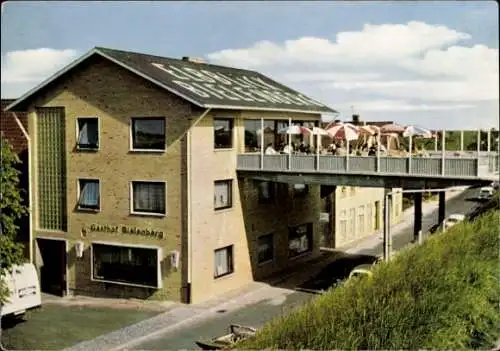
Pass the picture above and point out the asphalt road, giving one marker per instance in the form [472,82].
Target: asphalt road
[258,314]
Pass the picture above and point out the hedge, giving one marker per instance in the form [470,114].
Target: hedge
[443,294]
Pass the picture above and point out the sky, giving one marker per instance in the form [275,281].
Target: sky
[432,64]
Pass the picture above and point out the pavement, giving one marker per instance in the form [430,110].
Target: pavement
[259,302]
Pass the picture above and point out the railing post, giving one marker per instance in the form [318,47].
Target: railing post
[443,152]
[347,157]
[409,159]
[488,142]
[461,140]
[289,144]
[262,143]
[435,142]
[478,150]
[317,151]
[378,151]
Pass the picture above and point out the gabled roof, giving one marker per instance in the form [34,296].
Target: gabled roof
[204,85]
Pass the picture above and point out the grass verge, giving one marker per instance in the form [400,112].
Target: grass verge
[54,327]
[443,294]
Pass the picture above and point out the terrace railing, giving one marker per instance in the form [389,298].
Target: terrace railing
[448,166]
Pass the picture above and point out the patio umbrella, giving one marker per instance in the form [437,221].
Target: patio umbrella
[392,128]
[415,131]
[344,131]
[294,130]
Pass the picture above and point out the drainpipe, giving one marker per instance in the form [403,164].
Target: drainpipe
[30,186]
[189,207]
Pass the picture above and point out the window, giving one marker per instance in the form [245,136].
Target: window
[223,133]
[265,248]
[300,240]
[267,192]
[223,261]
[88,194]
[361,220]
[223,194]
[126,265]
[343,225]
[300,190]
[352,222]
[369,216]
[88,133]
[148,197]
[148,133]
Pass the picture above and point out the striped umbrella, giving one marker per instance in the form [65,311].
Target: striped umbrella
[344,131]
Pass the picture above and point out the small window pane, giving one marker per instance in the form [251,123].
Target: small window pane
[223,133]
[267,192]
[223,194]
[88,133]
[149,197]
[89,194]
[300,189]
[223,261]
[265,248]
[148,133]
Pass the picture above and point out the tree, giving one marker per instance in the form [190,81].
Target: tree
[11,209]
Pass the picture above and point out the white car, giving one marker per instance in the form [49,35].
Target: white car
[486,193]
[453,219]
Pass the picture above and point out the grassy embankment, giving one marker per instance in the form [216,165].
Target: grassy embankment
[443,294]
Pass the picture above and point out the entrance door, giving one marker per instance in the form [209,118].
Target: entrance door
[52,266]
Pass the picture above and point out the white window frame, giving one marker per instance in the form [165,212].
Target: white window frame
[77,126]
[232,261]
[233,140]
[361,222]
[131,134]
[230,193]
[78,192]
[131,192]
[159,256]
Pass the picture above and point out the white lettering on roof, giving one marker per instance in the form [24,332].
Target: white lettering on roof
[224,86]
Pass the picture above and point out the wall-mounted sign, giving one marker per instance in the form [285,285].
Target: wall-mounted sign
[324,217]
[123,229]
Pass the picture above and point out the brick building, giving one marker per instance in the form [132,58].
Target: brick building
[137,194]
[10,130]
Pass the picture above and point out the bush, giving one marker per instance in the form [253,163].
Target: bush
[443,294]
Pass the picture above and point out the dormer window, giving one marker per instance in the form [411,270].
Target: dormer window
[88,134]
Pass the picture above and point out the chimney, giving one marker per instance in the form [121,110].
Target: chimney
[193,59]
[355,118]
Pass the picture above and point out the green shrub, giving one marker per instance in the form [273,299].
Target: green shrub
[443,294]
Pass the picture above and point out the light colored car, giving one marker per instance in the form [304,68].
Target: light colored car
[363,270]
[495,185]
[486,193]
[453,219]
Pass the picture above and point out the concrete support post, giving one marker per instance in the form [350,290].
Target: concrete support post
[442,207]
[461,140]
[420,237]
[417,215]
[387,228]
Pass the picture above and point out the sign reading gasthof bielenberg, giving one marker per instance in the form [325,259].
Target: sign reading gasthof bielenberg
[210,84]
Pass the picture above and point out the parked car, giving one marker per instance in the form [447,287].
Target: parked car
[486,193]
[24,288]
[453,219]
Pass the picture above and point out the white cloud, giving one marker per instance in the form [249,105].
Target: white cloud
[389,67]
[23,69]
